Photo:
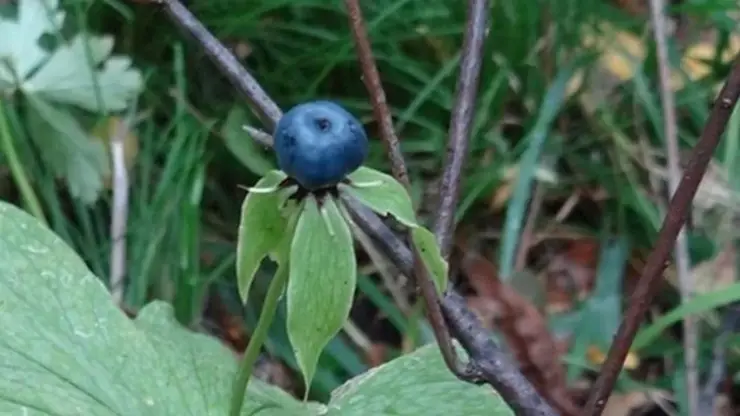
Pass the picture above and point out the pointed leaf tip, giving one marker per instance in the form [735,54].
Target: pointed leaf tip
[261,228]
[381,193]
[322,281]
[384,195]
[431,255]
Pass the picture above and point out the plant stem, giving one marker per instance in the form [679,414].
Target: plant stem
[16,169]
[681,252]
[258,338]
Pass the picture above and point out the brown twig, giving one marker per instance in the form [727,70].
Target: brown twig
[460,122]
[261,103]
[398,167]
[674,220]
[375,89]
[670,130]
[493,365]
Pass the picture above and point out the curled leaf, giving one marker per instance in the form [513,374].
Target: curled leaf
[261,229]
[382,194]
[321,283]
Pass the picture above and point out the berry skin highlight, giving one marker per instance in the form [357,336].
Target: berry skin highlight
[318,143]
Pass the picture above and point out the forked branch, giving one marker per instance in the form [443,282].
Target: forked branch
[398,167]
[487,360]
[461,120]
[494,366]
[374,86]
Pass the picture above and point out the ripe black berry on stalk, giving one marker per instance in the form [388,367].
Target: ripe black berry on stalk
[297,214]
[318,143]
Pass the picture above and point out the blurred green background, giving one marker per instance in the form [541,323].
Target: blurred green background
[568,102]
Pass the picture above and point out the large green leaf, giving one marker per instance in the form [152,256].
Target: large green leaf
[415,384]
[66,349]
[186,355]
[322,281]
[261,229]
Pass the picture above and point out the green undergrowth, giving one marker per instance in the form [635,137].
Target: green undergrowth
[530,129]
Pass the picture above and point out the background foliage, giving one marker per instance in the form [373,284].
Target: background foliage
[568,100]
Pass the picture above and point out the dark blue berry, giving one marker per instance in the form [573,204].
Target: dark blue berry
[318,143]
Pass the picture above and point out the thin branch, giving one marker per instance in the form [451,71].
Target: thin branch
[398,167]
[674,220]
[375,88]
[495,367]
[261,103]
[461,121]
[670,127]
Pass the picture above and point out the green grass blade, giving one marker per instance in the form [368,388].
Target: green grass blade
[536,138]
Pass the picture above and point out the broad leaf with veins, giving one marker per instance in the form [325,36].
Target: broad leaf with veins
[67,350]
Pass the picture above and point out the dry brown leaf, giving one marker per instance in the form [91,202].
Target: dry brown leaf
[621,53]
[524,329]
[486,309]
[634,7]
[723,405]
[570,275]
[623,404]
[501,196]
[597,356]
[716,202]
